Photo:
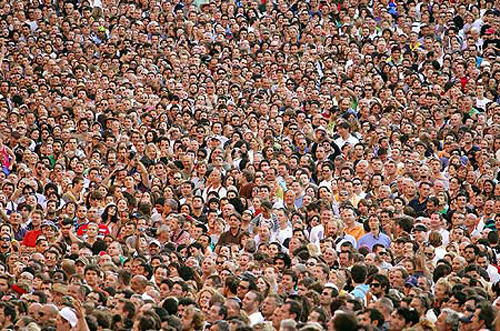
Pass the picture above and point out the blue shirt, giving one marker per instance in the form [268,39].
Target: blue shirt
[369,240]
[360,291]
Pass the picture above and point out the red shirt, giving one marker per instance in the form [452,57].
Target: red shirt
[103,230]
[31,237]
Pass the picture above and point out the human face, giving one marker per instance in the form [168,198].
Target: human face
[243,289]
[396,321]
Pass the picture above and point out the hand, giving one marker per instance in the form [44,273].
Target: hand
[79,311]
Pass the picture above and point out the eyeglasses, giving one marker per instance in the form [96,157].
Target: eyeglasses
[5,239]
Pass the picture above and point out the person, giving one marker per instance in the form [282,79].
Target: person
[251,303]
[375,236]
[8,316]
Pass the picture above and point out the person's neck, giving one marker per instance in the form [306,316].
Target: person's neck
[351,226]
[253,311]
[376,232]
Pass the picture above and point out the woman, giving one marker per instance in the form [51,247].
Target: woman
[206,299]
[264,285]
[110,217]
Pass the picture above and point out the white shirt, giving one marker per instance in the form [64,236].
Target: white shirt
[493,273]
[351,140]
[255,318]
[284,234]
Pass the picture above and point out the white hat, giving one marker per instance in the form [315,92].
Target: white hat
[69,315]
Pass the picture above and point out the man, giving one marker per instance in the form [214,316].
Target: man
[66,320]
[483,260]
[374,236]
[371,319]
[419,204]
[291,310]
[251,303]
[346,259]
[245,285]
[216,313]
[15,220]
[403,318]
[31,236]
[352,227]
[7,316]
[269,305]
[138,284]
[178,235]
[358,274]
[329,292]
[345,137]
[379,287]
[233,235]
[233,307]
[448,320]
[483,317]
[48,315]
[92,276]
[342,321]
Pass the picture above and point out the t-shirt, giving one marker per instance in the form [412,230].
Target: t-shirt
[103,230]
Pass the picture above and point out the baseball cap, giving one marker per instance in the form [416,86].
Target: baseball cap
[48,223]
[135,215]
[411,281]
[69,315]
[420,227]
[155,242]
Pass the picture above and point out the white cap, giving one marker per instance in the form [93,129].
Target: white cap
[69,315]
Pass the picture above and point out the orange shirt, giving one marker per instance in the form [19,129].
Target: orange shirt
[357,231]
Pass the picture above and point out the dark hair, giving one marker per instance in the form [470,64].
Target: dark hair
[295,308]
[9,310]
[345,321]
[358,273]
[376,315]
[384,281]
[410,315]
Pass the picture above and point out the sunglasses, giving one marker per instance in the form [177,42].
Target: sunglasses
[375,284]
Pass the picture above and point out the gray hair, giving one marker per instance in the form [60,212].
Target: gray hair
[223,326]
[288,325]
[452,318]
[387,304]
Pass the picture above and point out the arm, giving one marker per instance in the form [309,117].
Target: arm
[80,314]
[144,173]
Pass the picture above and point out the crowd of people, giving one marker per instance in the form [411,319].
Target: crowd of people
[249,165]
